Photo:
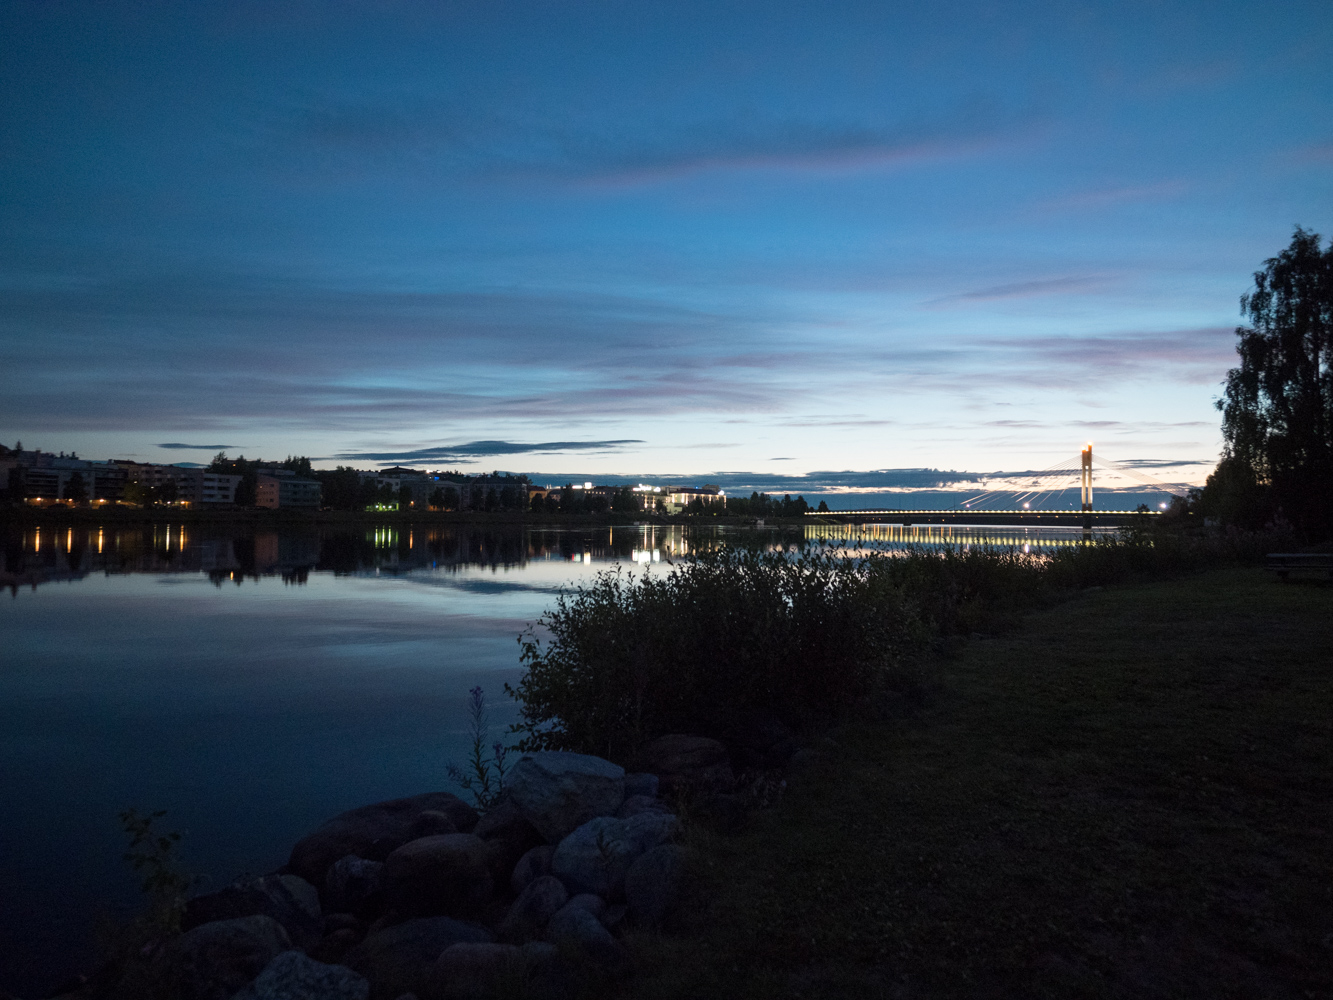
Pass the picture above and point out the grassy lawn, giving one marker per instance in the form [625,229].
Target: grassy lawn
[1129,795]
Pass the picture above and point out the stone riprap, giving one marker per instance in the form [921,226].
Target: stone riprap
[422,896]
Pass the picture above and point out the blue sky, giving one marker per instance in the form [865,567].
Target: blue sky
[666,240]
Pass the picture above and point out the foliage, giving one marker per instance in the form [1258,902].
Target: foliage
[629,658]
[482,776]
[764,505]
[1277,412]
[76,490]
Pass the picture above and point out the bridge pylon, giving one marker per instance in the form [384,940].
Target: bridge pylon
[1085,481]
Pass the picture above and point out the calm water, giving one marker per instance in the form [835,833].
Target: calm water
[256,683]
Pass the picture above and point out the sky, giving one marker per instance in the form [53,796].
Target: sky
[827,242]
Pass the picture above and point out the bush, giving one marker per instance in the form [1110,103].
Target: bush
[630,658]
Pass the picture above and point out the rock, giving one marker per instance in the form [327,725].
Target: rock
[636,804]
[804,760]
[372,832]
[476,971]
[759,740]
[596,856]
[335,944]
[613,916]
[642,783]
[509,835]
[575,927]
[595,905]
[401,958]
[652,884]
[341,921]
[558,792]
[689,765]
[293,976]
[431,823]
[446,874]
[216,959]
[533,909]
[291,901]
[646,830]
[354,885]
[533,864]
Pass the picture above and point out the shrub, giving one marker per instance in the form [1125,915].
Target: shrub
[631,657]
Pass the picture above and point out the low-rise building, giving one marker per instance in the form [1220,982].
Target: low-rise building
[282,489]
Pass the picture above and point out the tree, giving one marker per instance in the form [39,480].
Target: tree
[1277,410]
[404,496]
[137,493]
[76,490]
[298,464]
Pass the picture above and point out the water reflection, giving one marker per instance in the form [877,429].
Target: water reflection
[230,554]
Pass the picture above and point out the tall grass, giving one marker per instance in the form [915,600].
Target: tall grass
[803,638]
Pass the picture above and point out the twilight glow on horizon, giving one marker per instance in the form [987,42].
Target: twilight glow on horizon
[646,239]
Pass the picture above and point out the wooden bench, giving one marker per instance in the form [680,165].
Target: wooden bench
[1282,563]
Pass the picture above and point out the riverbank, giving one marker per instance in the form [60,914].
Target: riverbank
[1127,795]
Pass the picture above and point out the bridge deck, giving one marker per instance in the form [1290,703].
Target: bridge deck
[1034,518]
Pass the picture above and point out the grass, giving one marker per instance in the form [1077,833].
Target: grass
[1126,795]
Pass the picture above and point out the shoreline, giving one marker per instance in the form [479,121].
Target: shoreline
[263,517]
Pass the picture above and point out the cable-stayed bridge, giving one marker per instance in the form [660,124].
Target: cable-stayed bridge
[1030,502]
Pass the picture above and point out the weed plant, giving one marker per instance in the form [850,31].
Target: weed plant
[804,638]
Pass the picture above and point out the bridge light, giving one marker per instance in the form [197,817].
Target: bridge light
[1026,506]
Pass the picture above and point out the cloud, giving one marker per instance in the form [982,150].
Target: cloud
[176,445]
[1116,195]
[1028,289]
[486,141]
[479,449]
[1196,356]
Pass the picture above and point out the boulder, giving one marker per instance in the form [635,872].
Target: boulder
[652,884]
[373,832]
[558,792]
[448,874]
[293,976]
[533,909]
[642,783]
[431,823]
[216,959]
[596,856]
[689,765]
[354,885]
[533,864]
[574,927]
[510,836]
[400,959]
[335,944]
[646,830]
[595,905]
[636,804]
[476,971]
[291,901]
[613,916]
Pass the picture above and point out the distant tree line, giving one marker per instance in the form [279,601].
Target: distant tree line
[764,505]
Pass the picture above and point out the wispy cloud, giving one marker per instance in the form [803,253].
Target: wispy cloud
[487,141]
[482,449]
[1028,289]
[177,445]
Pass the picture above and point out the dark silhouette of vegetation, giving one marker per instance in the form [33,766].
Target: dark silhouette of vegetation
[731,631]
[76,490]
[1277,411]
[764,505]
